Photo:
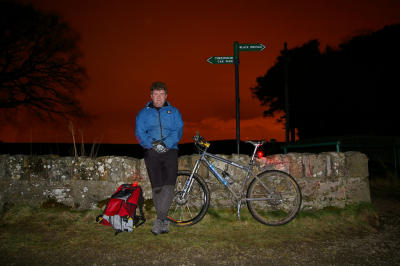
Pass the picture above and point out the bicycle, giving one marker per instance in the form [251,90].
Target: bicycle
[273,197]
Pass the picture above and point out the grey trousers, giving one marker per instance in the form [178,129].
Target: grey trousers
[162,199]
[162,169]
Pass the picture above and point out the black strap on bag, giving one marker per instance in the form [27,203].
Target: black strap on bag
[139,220]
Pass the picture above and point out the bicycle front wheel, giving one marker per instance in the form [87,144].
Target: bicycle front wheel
[273,198]
[190,208]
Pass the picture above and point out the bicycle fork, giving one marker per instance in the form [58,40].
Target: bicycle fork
[189,182]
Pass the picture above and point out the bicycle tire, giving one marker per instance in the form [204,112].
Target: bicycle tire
[189,211]
[280,205]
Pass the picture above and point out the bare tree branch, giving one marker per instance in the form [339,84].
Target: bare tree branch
[39,62]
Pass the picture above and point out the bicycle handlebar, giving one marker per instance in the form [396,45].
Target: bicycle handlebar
[200,141]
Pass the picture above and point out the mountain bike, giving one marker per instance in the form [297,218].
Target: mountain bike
[273,197]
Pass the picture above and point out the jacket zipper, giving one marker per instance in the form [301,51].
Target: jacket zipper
[159,119]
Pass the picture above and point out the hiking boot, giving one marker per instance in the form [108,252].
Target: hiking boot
[165,226]
[157,227]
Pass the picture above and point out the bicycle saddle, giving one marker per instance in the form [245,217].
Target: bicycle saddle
[256,142]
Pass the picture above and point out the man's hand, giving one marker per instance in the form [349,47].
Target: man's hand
[159,146]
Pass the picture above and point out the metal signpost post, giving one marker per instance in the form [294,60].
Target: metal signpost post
[236,55]
[235,60]
[287,118]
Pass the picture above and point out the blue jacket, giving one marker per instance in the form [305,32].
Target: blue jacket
[164,124]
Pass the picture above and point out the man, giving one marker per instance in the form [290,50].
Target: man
[159,128]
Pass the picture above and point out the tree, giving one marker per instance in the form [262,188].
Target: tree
[350,90]
[39,68]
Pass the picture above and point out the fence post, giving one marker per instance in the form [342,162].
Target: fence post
[337,146]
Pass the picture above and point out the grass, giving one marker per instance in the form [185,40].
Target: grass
[53,235]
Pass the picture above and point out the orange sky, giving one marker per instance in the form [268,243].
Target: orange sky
[129,44]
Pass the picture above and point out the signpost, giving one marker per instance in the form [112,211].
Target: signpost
[220,60]
[252,47]
[235,60]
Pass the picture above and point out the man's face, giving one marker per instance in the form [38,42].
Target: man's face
[158,97]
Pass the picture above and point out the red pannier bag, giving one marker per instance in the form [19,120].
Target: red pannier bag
[120,211]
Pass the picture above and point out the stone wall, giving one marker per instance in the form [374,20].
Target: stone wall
[326,179]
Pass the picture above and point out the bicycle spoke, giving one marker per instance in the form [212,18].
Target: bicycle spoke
[190,213]
[191,208]
[279,203]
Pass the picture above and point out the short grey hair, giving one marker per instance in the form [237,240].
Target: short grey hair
[158,85]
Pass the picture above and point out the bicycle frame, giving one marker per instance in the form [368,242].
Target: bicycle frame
[204,158]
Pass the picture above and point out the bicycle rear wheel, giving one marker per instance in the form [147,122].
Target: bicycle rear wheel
[191,208]
[273,198]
